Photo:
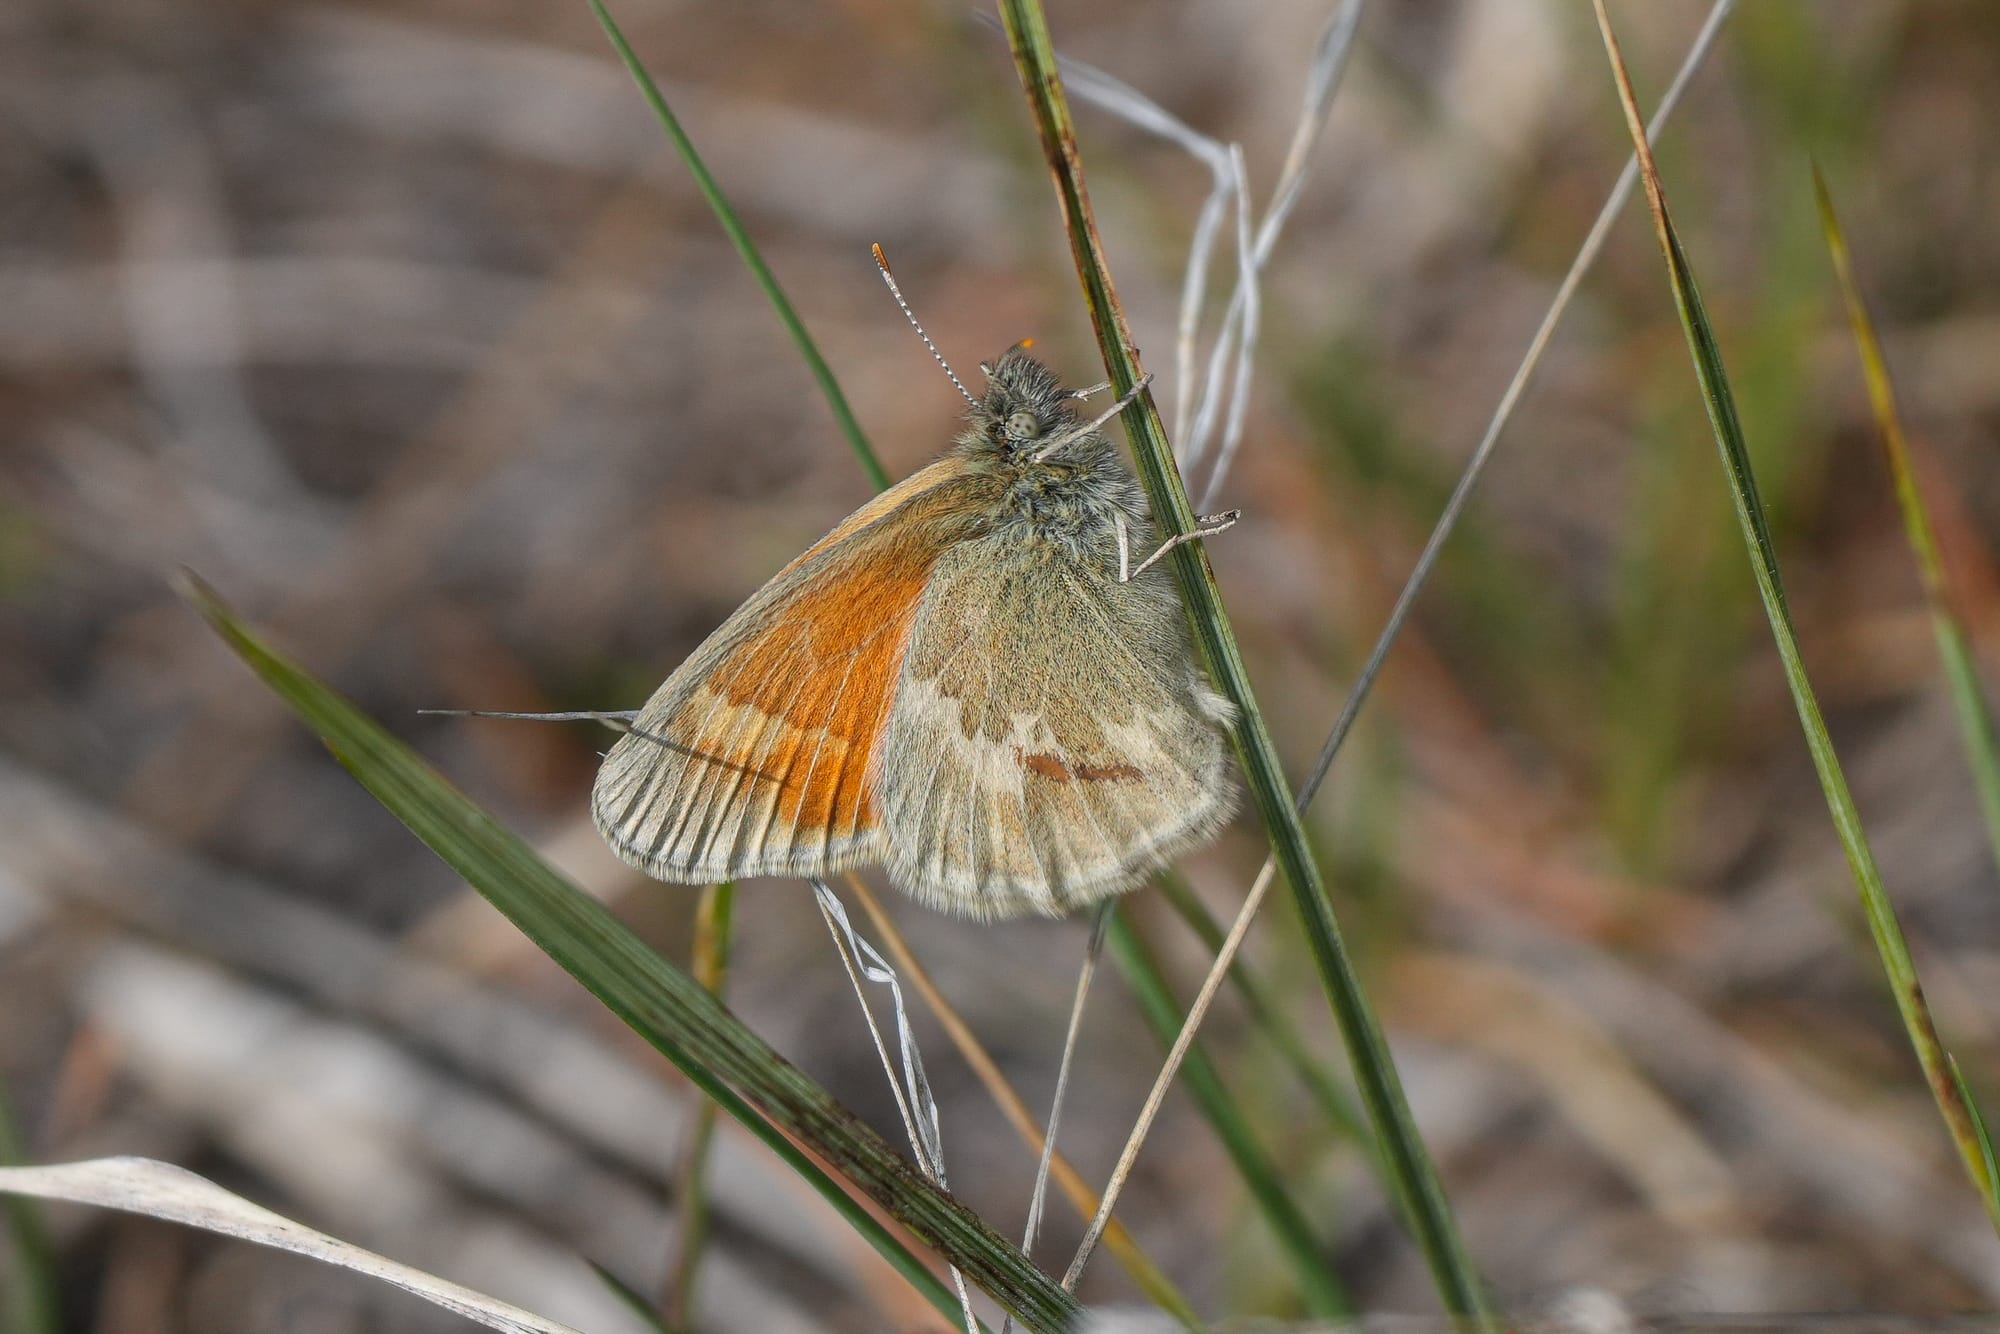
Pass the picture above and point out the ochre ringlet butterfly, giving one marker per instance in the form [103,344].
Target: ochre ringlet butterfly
[967,681]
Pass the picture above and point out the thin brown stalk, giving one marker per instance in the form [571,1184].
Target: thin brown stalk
[1120,1242]
[712,920]
[1100,1225]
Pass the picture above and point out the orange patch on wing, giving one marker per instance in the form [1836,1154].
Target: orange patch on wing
[1062,771]
[828,704]
[825,671]
[910,488]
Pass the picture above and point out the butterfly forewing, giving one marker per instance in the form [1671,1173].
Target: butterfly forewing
[753,758]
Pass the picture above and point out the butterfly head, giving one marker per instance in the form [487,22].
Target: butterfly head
[1024,406]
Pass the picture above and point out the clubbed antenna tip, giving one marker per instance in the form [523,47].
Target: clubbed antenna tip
[882,263]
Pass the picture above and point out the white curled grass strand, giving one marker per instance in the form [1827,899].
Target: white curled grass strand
[1252,302]
[1329,64]
[1109,93]
[1217,397]
[912,1092]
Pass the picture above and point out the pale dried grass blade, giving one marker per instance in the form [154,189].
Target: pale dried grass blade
[161,1190]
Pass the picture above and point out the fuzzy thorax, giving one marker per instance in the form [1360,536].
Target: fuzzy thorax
[1069,496]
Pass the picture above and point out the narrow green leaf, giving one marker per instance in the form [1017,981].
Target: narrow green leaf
[634,1300]
[1319,1286]
[739,237]
[1960,1117]
[1979,1130]
[1411,1173]
[739,1070]
[1975,715]
[30,1306]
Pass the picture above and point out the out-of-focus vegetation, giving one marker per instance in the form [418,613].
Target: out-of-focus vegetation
[400,322]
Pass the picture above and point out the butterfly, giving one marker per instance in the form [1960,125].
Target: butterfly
[967,682]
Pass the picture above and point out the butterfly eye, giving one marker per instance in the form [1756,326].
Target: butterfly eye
[1023,426]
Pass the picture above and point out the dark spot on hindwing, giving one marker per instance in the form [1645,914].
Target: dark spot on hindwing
[1062,771]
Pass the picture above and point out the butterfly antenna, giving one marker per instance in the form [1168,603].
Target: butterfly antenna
[619,720]
[882,263]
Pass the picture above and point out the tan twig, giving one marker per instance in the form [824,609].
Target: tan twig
[1238,929]
[711,969]
[1116,1238]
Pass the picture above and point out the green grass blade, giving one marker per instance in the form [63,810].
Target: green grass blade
[1980,1132]
[1319,1287]
[634,1300]
[1960,1118]
[739,237]
[1272,1021]
[1411,1172]
[30,1305]
[739,1070]
[713,918]
[1975,715]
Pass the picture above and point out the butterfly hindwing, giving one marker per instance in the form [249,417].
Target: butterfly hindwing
[1086,764]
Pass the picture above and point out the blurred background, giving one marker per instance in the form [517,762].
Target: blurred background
[398,321]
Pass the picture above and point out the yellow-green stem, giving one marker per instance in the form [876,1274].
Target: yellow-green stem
[713,917]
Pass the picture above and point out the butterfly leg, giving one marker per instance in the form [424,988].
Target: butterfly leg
[1208,525]
[1097,388]
[1075,433]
